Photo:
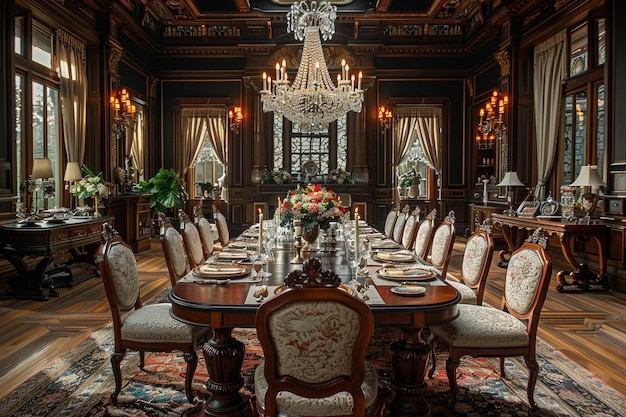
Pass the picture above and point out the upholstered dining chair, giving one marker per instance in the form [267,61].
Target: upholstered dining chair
[398,227]
[442,244]
[410,228]
[206,237]
[174,251]
[424,235]
[390,222]
[314,337]
[144,328]
[222,231]
[483,331]
[192,242]
[474,268]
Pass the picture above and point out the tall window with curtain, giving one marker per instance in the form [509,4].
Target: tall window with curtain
[38,121]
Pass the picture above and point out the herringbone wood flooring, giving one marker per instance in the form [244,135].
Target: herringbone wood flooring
[589,328]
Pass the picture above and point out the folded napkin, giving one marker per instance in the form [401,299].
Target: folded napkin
[214,269]
[396,272]
[384,244]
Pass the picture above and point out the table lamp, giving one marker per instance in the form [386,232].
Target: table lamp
[510,180]
[72,174]
[588,177]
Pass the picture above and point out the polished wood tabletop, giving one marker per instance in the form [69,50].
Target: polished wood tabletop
[223,307]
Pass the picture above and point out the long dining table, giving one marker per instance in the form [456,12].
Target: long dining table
[225,305]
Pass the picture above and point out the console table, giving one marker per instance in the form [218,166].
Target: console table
[515,229]
[43,240]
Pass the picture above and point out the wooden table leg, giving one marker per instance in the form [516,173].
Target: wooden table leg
[223,356]
[581,276]
[409,359]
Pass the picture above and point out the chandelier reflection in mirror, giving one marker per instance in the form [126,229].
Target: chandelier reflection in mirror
[313,100]
[124,112]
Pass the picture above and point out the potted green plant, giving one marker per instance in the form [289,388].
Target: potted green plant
[168,192]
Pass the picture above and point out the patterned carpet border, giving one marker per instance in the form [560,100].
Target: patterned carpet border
[79,384]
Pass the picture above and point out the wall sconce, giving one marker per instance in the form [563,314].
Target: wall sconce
[385,118]
[124,112]
[491,125]
[235,116]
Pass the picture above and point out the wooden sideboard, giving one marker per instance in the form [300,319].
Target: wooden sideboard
[132,219]
[42,241]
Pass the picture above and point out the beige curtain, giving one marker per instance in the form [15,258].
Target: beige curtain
[72,63]
[194,128]
[136,146]
[550,69]
[218,139]
[425,123]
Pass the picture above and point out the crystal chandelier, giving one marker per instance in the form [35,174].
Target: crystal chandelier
[313,100]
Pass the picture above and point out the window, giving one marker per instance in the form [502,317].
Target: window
[38,124]
[306,153]
[583,137]
[208,169]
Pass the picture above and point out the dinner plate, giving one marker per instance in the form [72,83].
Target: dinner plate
[245,244]
[394,257]
[250,234]
[234,255]
[385,244]
[408,290]
[220,272]
[399,274]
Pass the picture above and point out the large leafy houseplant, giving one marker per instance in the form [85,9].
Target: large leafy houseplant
[168,191]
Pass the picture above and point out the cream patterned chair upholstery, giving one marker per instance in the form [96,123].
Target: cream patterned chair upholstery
[474,268]
[315,338]
[206,237]
[398,228]
[390,222]
[424,235]
[442,244]
[148,328]
[410,228]
[192,243]
[174,251]
[482,331]
[222,230]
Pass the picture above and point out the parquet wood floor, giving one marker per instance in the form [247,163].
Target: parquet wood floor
[589,328]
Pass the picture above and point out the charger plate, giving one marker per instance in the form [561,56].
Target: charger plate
[232,255]
[220,272]
[394,257]
[398,274]
[342,287]
[408,290]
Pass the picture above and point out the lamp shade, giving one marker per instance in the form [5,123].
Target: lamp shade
[72,172]
[511,180]
[588,177]
[42,168]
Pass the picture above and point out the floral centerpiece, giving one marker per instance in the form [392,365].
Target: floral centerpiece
[313,205]
[340,176]
[91,185]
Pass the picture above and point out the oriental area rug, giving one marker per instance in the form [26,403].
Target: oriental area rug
[79,384]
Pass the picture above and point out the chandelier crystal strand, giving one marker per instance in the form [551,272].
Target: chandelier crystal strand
[313,100]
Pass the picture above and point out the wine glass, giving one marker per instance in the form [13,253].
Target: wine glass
[365,250]
[253,257]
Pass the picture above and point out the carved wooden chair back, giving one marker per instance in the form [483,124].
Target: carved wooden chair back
[442,244]
[398,227]
[174,251]
[206,237]
[410,229]
[424,235]
[222,229]
[390,222]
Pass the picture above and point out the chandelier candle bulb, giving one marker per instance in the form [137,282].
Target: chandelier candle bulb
[360,79]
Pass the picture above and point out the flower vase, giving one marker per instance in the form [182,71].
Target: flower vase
[96,213]
[310,234]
